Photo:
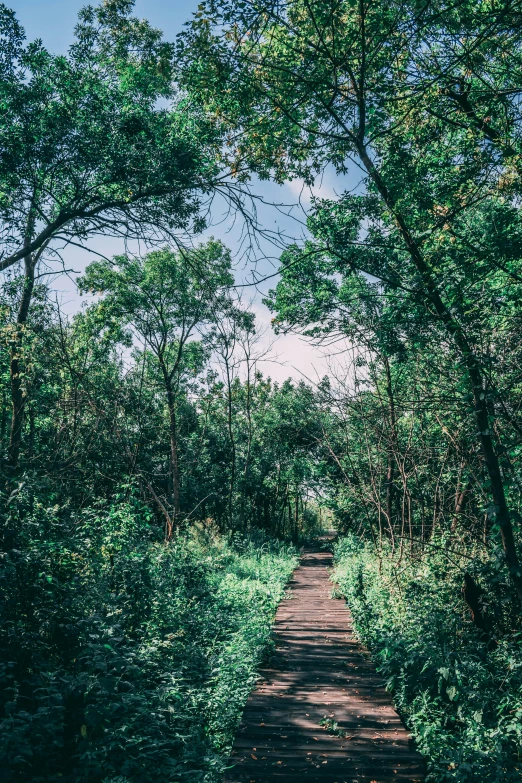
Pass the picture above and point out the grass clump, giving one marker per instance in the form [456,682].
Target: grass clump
[459,693]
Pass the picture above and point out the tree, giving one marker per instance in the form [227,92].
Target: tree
[96,142]
[228,332]
[166,298]
[319,83]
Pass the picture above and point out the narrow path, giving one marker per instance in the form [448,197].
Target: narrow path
[320,712]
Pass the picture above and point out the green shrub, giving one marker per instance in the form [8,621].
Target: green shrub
[460,696]
[122,658]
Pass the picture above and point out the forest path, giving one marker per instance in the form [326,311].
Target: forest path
[320,712]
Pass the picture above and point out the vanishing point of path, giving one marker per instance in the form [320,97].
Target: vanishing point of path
[320,712]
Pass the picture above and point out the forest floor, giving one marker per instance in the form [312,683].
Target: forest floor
[320,711]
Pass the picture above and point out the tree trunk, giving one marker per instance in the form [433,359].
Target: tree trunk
[173,438]
[249,444]
[230,419]
[18,398]
[174,462]
[392,448]
[389,490]
[473,370]
[3,426]
[461,498]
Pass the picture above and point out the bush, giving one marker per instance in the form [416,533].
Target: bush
[122,658]
[460,696]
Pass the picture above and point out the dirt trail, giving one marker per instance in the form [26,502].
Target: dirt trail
[320,712]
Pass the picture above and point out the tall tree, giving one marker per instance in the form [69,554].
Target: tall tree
[317,82]
[166,299]
[99,141]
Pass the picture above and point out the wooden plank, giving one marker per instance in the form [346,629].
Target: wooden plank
[319,672]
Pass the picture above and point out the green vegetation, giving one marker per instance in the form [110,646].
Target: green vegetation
[124,659]
[460,696]
[153,480]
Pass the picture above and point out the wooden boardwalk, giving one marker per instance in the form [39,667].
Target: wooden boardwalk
[320,712]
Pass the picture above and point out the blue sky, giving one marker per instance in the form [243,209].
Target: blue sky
[53,21]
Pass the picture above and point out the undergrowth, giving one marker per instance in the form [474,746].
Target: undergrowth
[460,695]
[122,658]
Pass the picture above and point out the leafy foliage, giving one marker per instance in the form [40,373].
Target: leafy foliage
[85,147]
[122,657]
[459,696]
[150,474]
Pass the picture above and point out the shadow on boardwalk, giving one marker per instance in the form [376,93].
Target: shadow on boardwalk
[320,711]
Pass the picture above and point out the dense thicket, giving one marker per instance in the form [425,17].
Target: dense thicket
[98,420]
[147,466]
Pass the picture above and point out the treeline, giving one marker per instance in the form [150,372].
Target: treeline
[156,384]
[149,473]
[421,267]
[155,390]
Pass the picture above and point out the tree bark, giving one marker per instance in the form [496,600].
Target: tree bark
[230,425]
[392,448]
[18,396]
[173,438]
[461,499]
[3,427]
[173,432]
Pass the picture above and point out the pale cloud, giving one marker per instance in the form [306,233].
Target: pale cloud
[288,355]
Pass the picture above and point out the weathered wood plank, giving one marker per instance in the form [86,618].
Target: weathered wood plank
[320,712]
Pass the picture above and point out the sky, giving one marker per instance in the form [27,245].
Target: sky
[53,21]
